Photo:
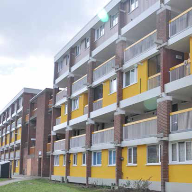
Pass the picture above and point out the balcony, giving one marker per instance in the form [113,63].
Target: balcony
[180,71]
[48,147]
[105,136]
[98,104]
[6,156]
[12,155]
[104,69]
[154,81]
[8,129]
[141,46]
[181,120]
[2,157]
[140,129]
[61,97]
[79,84]
[181,22]
[17,155]
[4,131]
[58,121]
[13,126]
[78,141]
[19,122]
[59,145]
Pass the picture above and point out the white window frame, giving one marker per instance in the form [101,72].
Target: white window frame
[84,157]
[64,160]
[158,163]
[56,161]
[75,159]
[135,3]
[20,102]
[113,163]
[87,42]
[99,32]
[111,85]
[97,164]
[132,163]
[77,50]
[60,66]
[114,20]
[75,106]
[66,107]
[177,148]
[135,77]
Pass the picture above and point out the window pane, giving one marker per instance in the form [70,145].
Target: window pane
[94,158]
[127,78]
[99,158]
[132,76]
[174,152]
[181,152]
[110,158]
[98,92]
[188,151]
[113,85]
[114,157]
[153,154]
[130,155]
[135,155]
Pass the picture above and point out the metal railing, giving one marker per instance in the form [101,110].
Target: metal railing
[181,120]
[181,22]
[60,95]
[19,122]
[12,155]
[6,156]
[13,126]
[86,109]
[58,121]
[79,84]
[154,81]
[179,71]
[140,46]
[17,154]
[78,141]
[140,129]
[8,128]
[104,69]
[103,136]
[59,145]
[98,104]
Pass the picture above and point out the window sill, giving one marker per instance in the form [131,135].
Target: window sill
[56,165]
[131,165]
[113,26]
[74,110]
[129,85]
[153,164]
[96,165]
[99,38]
[112,93]
[133,10]
[181,163]
[77,55]
[111,165]
[83,165]
[74,165]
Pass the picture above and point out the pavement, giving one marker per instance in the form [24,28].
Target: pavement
[17,178]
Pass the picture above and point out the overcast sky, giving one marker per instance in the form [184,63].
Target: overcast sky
[31,34]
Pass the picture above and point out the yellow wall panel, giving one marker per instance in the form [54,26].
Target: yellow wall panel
[63,116]
[17,168]
[19,133]
[142,82]
[8,139]
[13,137]
[59,170]
[79,170]
[105,171]
[108,98]
[141,171]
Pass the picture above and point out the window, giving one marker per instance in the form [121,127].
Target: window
[84,159]
[75,104]
[20,102]
[56,160]
[66,60]
[60,66]
[153,154]
[130,77]
[181,152]
[99,32]
[66,106]
[112,157]
[133,4]
[74,159]
[17,163]
[113,85]
[98,92]
[77,50]
[97,158]
[64,160]
[154,65]
[87,43]
[15,108]
[132,156]
[114,20]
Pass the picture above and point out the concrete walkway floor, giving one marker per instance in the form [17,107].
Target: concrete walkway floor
[17,178]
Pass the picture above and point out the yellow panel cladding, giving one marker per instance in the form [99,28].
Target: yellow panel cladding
[13,137]
[141,170]
[108,98]
[19,134]
[105,171]
[63,116]
[8,139]
[12,163]
[83,101]
[79,170]
[142,82]
[59,170]
[17,168]
[191,53]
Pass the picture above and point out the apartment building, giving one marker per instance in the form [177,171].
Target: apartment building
[13,130]
[122,98]
[38,121]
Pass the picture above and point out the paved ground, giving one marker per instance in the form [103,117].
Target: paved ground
[17,179]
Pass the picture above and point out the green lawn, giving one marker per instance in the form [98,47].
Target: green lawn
[2,179]
[42,185]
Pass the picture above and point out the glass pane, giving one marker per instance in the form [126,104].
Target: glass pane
[99,158]
[110,158]
[188,151]
[181,152]
[127,78]
[153,154]
[132,76]
[174,152]
[114,157]
[134,155]
[98,92]
[130,155]
[94,158]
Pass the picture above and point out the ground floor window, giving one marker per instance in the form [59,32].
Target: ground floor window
[56,160]
[153,154]
[132,156]
[74,159]
[97,158]
[17,163]
[84,159]
[64,160]
[112,157]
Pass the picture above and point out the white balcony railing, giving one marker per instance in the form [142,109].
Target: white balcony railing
[78,141]
[140,46]
[140,129]
[154,81]
[181,120]
[60,95]
[179,71]
[59,145]
[103,136]
[79,84]
[104,69]
[181,22]
[17,155]
[98,104]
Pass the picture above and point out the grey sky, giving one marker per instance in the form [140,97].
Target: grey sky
[31,34]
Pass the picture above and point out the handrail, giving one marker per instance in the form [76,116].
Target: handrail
[181,111]
[61,90]
[179,65]
[103,130]
[79,79]
[180,15]
[140,121]
[156,75]
[104,63]
[97,100]
[78,136]
[140,40]
[59,140]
